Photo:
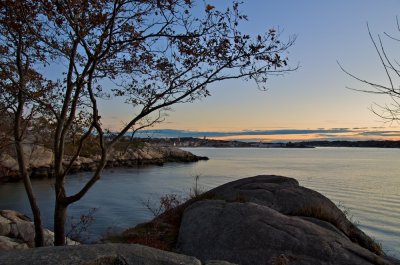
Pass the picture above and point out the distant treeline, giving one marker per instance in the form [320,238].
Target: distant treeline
[203,142]
[381,144]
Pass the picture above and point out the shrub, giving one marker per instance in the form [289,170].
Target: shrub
[79,227]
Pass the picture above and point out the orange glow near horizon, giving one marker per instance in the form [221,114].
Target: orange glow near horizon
[303,137]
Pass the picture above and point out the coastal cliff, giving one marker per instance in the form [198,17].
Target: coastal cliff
[40,160]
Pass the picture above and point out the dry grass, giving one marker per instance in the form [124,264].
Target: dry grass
[321,214]
[348,228]
[161,232]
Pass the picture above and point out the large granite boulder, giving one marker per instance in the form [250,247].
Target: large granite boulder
[17,231]
[9,162]
[101,254]
[38,156]
[8,168]
[39,161]
[273,220]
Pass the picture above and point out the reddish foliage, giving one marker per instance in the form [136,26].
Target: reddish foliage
[150,240]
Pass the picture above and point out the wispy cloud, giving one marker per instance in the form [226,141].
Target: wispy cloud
[381,133]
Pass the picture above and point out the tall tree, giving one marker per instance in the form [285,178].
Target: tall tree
[20,52]
[154,54]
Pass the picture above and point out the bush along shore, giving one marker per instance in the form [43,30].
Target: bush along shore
[40,160]
[259,220]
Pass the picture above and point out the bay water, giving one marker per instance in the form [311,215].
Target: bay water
[364,182]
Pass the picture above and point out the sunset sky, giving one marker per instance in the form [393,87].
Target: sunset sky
[311,102]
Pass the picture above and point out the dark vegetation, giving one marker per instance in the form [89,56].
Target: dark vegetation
[201,142]
[371,143]
[40,131]
[162,231]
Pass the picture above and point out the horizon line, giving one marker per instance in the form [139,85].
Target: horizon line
[351,134]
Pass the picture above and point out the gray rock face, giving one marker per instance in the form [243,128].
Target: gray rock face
[17,240]
[18,232]
[8,168]
[103,254]
[38,156]
[272,220]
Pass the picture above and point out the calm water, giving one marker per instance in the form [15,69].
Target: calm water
[365,180]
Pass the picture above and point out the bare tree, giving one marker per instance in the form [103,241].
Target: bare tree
[391,67]
[154,53]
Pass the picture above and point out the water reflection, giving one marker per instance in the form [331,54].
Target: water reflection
[365,180]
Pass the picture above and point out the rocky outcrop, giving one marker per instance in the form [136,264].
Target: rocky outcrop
[102,254]
[273,220]
[40,160]
[151,155]
[8,168]
[258,220]
[17,232]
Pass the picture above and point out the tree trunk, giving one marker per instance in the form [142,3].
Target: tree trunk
[60,216]
[39,240]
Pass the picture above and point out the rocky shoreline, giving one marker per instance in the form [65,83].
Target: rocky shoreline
[40,160]
[259,220]
[17,232]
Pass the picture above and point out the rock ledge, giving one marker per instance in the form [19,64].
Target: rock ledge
[100,254]
[40,160]
[273,220]
[17,232]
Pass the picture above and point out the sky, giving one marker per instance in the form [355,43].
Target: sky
[310,103]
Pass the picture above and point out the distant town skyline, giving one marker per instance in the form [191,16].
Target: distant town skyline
[313,97]
[283,135]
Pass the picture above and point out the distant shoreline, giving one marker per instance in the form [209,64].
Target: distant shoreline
[204,142]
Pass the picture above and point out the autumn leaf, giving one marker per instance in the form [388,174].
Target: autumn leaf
[209,7]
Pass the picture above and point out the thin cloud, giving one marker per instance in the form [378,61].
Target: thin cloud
[381,133]
[187,133]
